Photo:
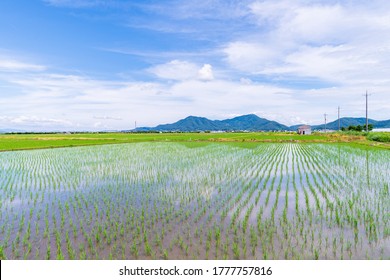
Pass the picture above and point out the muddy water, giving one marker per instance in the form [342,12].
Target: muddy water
[167,200]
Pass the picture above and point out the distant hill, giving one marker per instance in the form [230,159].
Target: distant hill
[190,123]
[345,122]
[382,124]
[247,122]
[252,122]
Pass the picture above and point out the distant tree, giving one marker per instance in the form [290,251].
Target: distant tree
[358,128]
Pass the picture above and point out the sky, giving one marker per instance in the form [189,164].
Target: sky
[74,65]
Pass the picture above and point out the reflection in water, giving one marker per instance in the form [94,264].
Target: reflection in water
[168,200]
[368,168]
[339,153]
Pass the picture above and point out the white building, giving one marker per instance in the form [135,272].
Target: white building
[304,130]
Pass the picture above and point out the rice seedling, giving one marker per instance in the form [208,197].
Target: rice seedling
[303,201]
[2,253]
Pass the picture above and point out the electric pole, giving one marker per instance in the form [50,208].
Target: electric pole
[338,114]
[135,125]
[366,111]
[325,121]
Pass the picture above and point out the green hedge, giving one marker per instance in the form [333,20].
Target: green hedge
[379,136]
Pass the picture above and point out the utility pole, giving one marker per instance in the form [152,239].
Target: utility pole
[366,111]
[325,121]
[135,125]
[338,114]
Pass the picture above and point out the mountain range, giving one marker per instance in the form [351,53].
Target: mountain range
[345,122]
[250,122]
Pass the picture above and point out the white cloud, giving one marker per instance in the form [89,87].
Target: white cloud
[175,70]
[107,118]
[319,24]
[61,102]
[303,20]
[182,70]
[11,65]
[250,56]
[34,120]
[341,42]
[69,102]
[206,73]
[326,62]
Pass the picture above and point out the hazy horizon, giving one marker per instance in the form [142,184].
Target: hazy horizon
[10,130]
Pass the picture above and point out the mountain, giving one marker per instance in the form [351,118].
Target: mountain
[190,123]
[247,122]
[345,122]
[382,124]
[252,122]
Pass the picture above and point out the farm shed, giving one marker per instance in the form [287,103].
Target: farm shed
[304,130]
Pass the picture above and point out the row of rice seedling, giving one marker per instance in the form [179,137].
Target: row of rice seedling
[217,201]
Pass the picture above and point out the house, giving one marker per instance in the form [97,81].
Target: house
[304,130]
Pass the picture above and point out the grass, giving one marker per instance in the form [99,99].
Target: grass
[10,142]
[379,137]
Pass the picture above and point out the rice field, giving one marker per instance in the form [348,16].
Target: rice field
[196,201]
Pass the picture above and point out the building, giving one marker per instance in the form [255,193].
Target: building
[304,130]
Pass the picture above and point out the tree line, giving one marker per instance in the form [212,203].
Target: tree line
[358,128]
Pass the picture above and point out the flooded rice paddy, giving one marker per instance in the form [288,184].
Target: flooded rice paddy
[212,201]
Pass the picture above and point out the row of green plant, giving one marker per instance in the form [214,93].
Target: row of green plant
[173,201]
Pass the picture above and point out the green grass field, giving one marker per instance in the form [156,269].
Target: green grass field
[36,141]
[10,142]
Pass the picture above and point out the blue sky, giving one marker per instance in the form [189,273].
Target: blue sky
[96,65]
